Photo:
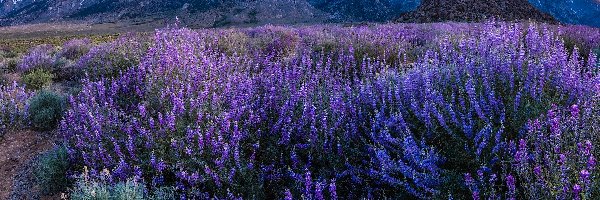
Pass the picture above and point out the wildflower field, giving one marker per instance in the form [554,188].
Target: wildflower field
[401,111]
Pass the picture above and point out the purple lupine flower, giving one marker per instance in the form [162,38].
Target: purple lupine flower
[584,174]
[521,154]
[591,162]
[510,183]
[537,170]
[475,195]
[333,190]
[288,195]
[319,191]
[307,184]
[575,111]
[576,191]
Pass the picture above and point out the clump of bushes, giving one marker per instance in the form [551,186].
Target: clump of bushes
[326,126]
[51,169]
[46,108]
[107,60]
[13,104]
[101,187]
[74,49]
[38,79]
[7,53]
[277,41]
[39,57]
[232,42]
[11,64]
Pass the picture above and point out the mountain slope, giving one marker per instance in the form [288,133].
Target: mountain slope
[211,13]
[474,10]
[365,10]
[585,12]
[205,12]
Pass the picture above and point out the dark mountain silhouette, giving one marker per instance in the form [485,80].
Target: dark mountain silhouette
[475,10]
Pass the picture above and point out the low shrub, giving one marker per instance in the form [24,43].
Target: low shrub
[51,170]
[232,42]
[39,57]
[9,65]
[164,193]
[75,48]
[45,110]
[13,99]
[64,69]
[277,41]
[7,53]
[107,60]
[103,189]
[38,79]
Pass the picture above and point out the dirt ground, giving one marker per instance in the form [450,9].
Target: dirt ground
[16,149]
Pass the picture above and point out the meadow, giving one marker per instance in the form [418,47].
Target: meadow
[389,111]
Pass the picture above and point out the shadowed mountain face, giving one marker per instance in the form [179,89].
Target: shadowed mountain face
[211,13]
[474,10]
[206,11]
[585,12]
[24,11]
[365,10]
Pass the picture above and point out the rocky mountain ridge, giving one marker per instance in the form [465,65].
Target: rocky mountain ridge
[216,13]
[205,12]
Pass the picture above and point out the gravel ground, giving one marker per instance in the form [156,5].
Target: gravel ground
[24,187]
[17,150]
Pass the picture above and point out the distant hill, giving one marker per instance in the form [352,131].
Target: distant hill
[216,13]
[475,10]
[202,12]
[586,12]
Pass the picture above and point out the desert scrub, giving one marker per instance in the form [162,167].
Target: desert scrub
[278,41]
[46,108]
[74,49]
[64,69]
[10,64]
[232,42]
[7,53]
[13,104]
[51,170]
[39,57]
[38,79]
[102,188]
[107,60]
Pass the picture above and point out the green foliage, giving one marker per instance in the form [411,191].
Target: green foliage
[164,193]
[38,79]
[89,189]
[108,60]
[51,170]
[5,53]
[45,110]
[63,69]
[21,45]
[8,65]
[233,42]
[129,190]
[86,189]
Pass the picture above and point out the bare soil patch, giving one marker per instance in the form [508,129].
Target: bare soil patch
[16,149]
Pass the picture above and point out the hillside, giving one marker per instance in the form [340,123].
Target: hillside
[210,13]
[218,13]
[474,10]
